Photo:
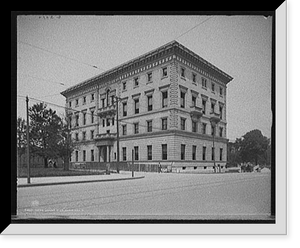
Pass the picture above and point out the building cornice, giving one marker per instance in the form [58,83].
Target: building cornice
[141,63]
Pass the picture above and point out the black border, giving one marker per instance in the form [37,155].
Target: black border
[13,172]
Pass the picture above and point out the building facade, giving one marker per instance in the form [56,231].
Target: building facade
[171,109]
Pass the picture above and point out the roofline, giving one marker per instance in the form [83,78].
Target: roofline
[171,44]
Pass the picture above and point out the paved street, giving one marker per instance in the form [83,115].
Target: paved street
[170,195]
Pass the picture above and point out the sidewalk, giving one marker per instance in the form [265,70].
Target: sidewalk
[47,181]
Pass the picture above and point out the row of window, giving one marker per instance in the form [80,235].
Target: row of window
[164,153]
[149,76]
[164,104]
[149,127]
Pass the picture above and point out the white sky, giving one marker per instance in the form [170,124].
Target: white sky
[238,45]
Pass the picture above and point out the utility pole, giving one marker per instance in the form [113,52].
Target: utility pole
[27,148]
[118,135]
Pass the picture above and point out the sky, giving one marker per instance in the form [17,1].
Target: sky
[57,52]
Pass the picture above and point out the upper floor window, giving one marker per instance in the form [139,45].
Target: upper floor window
[204,106]
[194,99]
[124,86]
[92,97]
[76,102]
[164,71]
[136,82]
[149,126]
[150,102]
[212,107]
[221,91]
[124,108]
[213,87]
[182,99]
[164,123]
[194,126]
[204,82]
[182,123]
[136,106]
[84,100]
[182,152]
[136,127]
[84,118]
[194,76]
[164,99]
[182,72]
[221,111]
[124,129]
[149,77]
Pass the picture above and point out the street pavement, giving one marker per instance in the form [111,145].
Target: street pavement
[156,196]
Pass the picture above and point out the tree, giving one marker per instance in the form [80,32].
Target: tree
[45,126]
[252,145]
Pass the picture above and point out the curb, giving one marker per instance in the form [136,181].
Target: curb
[77,182]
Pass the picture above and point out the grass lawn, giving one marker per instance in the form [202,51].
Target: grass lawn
[54,172]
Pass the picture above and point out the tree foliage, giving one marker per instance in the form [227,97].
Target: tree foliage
[49,134]
[252,147]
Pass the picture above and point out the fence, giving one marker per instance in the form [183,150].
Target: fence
[122,166]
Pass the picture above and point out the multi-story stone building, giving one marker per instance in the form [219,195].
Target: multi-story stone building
[171,107]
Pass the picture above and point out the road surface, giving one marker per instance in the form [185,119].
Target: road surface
[157,196]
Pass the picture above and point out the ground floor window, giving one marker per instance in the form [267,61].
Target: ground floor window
[136,152]
[149,152]
[124,153]
[182,152]
[164,151]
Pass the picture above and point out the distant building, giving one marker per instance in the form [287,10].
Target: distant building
[166,100]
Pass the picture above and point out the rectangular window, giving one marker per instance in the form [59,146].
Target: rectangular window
[182,152]
[107,122]
[204,82]
[213,153]
[70,104]
[213,86]
[136,82]
[194,77]
[92,97]
[136,106]
[194,101]
[84,118]
[83,155]
[124,153]
[164,123]
[103,102]
[84,100]
[92,155]
[83,135]
[221,91]
[204,106]
[77,120]
[221,154]
[124,108]
[221,111]
[212,106]
[164,99]
[149,77]
[194,126]
[92,134]
[103,122]
[150,102]
[92,116]
[124,129]
[164,72]
[149,152]
[124,86]
[182,123]
[76,156]
[194,149]
[149,126]
[136,127]
[203,128]
[136,153]
[182,72]
[204,153]
[76,102]
[221,131]
[182,99]
[164,152]
[76,137]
